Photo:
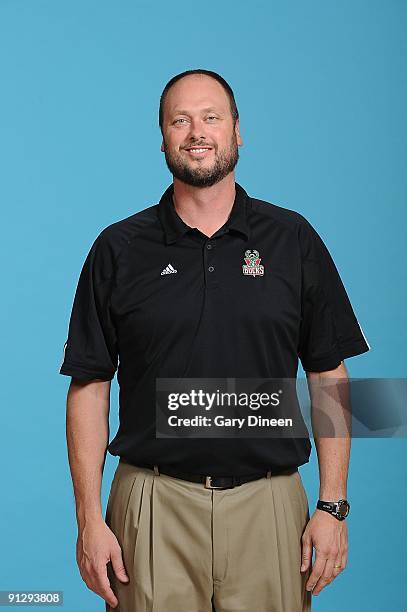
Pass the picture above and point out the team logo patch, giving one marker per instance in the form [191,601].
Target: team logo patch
[252,265]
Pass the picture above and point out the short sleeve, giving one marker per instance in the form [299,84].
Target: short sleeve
[90,351]
[329,329]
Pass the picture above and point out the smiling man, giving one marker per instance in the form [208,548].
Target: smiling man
[208,283]
[200,160]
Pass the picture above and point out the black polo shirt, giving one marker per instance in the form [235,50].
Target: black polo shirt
[157,298]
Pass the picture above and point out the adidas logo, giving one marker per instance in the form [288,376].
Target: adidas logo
[169,270]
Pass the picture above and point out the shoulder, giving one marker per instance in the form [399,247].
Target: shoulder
[114,237]
[291,219]
[125,230]
[104,253]
[304,233]
[287,218]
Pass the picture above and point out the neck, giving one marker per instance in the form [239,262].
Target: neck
[206,208]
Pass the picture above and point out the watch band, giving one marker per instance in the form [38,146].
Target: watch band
[339,509]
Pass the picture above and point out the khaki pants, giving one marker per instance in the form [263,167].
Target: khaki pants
[191,549]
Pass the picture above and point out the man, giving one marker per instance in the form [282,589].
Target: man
[210,282]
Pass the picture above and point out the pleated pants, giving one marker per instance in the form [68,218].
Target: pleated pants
[191,549]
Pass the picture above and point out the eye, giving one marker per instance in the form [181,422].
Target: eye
[180,119]
[212,117]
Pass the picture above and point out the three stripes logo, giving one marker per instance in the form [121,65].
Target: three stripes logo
[169,270]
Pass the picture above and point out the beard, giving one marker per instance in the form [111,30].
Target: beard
[200,175]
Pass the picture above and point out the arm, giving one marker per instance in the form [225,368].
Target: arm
[333,453]
[324,532]
[87,433]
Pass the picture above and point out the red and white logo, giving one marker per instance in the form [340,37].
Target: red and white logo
[252,266]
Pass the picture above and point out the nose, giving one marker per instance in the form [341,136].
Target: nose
[196,129]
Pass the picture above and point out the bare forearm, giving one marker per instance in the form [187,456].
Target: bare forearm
[333,459]
[87,431]
[331,410]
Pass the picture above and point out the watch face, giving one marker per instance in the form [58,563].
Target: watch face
[343,508]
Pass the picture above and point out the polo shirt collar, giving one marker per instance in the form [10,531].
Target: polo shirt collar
[174,227]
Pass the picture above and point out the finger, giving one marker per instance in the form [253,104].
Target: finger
[118,565]
[317,571]
[344,561]
[341,558]
[106,594]
[306,553]
[102,587]
[325,577]
[337,566]
[344,547]
[109,597]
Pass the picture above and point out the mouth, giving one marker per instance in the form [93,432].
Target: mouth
[198,151]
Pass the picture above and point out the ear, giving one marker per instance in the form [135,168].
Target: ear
[162,146]
[237,132]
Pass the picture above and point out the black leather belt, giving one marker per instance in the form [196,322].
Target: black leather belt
[213,482]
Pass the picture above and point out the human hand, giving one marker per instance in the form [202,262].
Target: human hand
[329,537]
[96,546]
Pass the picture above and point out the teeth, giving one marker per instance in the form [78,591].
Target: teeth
[198,150]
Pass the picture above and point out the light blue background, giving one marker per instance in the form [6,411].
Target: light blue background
[321,91]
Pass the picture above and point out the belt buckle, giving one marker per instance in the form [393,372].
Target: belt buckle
[208,483]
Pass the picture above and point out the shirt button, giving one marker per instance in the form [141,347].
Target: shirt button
[211,268]
[208,246]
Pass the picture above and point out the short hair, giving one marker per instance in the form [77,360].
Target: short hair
[214,75]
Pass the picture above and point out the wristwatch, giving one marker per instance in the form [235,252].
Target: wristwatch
[339,509]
